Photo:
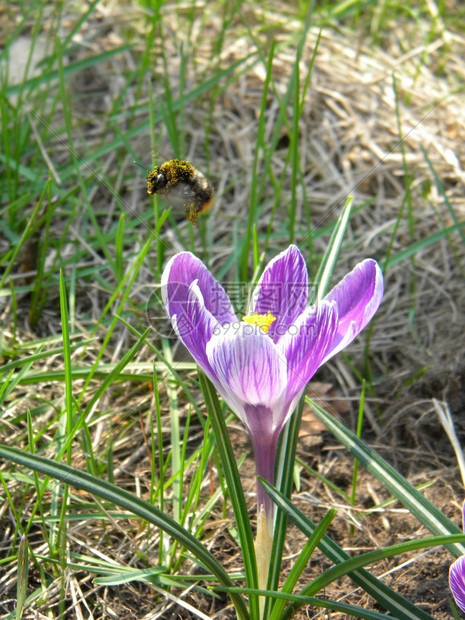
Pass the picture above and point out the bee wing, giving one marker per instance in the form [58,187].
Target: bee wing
[182,195]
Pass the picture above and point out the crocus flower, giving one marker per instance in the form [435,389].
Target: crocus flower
[457,575]
[261,363]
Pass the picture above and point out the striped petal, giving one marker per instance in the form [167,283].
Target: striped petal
[306,344]
[457,581]
[185,268]
[282,290]
[250,372]
[358,297]
[195,325]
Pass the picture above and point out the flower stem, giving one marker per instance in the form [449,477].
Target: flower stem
[263,544]
[265,455]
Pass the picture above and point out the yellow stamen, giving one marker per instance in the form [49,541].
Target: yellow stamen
[262,320]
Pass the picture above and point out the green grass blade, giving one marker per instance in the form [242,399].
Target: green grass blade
[298,600]
[326,269]
[23,571]
[25,235]
[66,423]
[295,138]
[431,517]
[302,562]
[254,194]
[66,355]
[233,480]
[135,505]
[336,572]
[126,574]
[79,22]
[175,438]
[442,191]
[422,244]
[285,459]
[73,67]
[400,607]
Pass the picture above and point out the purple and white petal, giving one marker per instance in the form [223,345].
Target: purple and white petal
[248,368]
[457,581]
[282,290]
[358,297]
[183,269]
[305,345]
[194,325]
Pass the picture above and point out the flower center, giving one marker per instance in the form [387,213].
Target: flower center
[262,320]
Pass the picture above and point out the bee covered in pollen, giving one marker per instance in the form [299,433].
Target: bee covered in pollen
[182,184]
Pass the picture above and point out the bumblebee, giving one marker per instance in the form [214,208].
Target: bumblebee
[182,184]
